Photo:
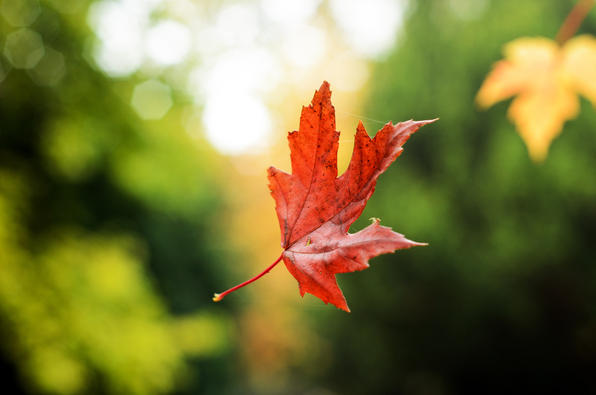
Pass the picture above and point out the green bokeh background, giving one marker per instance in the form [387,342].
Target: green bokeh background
[110,238]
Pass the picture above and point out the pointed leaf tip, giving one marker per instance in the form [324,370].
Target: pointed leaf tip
[323,93]
[426,121]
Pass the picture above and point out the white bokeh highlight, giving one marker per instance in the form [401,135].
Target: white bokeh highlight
[252,70]
[168,43]
[237,124]
[290,12]
[236,25]
[370,27]
[232,57]
[119,27]
[304,46]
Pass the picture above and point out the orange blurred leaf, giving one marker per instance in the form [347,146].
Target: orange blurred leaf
[546,79]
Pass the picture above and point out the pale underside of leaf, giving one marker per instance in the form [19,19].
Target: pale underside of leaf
[316,258]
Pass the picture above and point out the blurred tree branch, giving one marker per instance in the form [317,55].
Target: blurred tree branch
[574,20]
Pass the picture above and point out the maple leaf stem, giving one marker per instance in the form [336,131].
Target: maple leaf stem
[220,296]
[574,20]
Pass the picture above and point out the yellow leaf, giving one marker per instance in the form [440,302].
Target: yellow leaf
[580,65]
[545,79]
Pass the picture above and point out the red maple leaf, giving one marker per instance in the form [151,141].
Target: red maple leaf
[315,208]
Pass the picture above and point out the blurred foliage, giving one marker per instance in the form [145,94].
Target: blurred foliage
[103,224]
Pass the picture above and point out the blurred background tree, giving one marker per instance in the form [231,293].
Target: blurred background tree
[134,135]
[105,224]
